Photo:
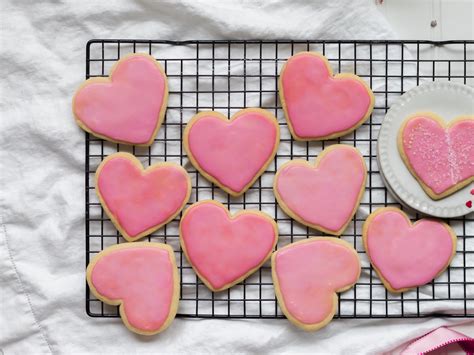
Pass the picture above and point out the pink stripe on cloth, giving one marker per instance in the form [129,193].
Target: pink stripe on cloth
[438,339]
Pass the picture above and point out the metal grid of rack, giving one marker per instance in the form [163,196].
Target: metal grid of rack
[230,75]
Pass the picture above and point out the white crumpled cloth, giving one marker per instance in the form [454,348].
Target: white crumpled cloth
[42,266]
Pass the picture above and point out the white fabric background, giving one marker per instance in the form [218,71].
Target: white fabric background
[42,180]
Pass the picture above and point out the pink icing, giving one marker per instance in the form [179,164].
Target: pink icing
[143,279]
[407,256]
[441,157]
[309,274]
[233,152]
[327,194]
[139,199]
[223,249]
[126,109]
[319,104]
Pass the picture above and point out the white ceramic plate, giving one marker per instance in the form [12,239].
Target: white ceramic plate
[449,101]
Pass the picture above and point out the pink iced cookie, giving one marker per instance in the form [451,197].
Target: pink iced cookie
[143,279]
[232,153]
[406,255]
[439,155]
[307,274]
[128,106]
[319,105]
[324,196]
[139,201]
[223,249]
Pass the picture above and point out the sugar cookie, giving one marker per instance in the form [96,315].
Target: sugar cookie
[139,201]
[224,249]
[307,274]
[126,107]
[407,255]
[326,195]
[232,153]
[318,105]
[439,155]
[141,278]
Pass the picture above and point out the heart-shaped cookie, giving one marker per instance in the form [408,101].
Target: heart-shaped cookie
[324,196]
[318,105]
[307,274]
[439,155]
[406,255]
[232,153]
[142,278]
[139,201]
[223,249]
[128,106]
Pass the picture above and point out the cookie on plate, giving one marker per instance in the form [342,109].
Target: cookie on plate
[439,155]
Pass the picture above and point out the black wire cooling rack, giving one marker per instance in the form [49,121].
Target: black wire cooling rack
[230,75]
